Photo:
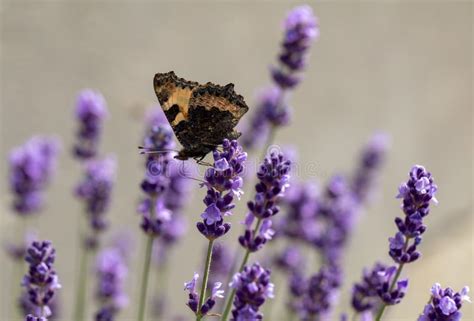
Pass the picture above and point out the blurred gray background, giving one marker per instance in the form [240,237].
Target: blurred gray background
[403,67]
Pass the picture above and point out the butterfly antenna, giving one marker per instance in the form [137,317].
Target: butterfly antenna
[147,150]
[182,171]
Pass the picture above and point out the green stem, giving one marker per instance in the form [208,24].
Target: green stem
[205,278]
[81,285]
[145,275]
[228,305]
[394,282]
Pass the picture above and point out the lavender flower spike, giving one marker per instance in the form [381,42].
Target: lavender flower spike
[274,176]
[41,282]
[252,287]
[224,182]
[444,304]
[91,109]
[301,29]
[31,168]
[95,190]
[193,300]
[417,194]
[111,273]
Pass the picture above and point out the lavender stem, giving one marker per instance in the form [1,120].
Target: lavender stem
[145,275]
[207,268]
[82,285]
[228,306]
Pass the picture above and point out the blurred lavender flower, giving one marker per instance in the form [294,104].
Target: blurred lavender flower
[95,190]
[154,185]
[221,262]
[111,271]
[209,303]
[335,217]
[91,110]
[417,194]
[301,205]
[290,260]
[31,168]
[41,281]
[301,29]
[320,294]
[223,181]
[273,176]
[444,304]
[372,158]
[252,287]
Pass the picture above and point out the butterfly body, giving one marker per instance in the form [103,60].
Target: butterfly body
[201,116]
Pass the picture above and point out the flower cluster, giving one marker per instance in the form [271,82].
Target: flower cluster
[91,110]
[252,287]
[316,296]
[301,29]
[372,158]
[111,271]
[209,303]
[41,282]
[273,176]
[223,181]
[444,304]
[153,208]
[31,168]
[95,190]
[417,194]
[375,287]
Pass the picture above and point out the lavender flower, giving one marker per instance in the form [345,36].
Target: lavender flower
[376,287]
[372,158]
[252,287]
[95,190]
[209,303]
[272,110]
[29,317]
[91,110]
[290,260]
[444,304]
[301,29]
[223,181]
[154,185]
[31,169]
[111,273]
[41,282]
[321,293]
[417,194]
[274,176]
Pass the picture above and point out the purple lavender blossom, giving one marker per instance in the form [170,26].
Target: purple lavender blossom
[153,208]
[444,304]
[252,287]
[321,293]
[95,190]
[272,110]
[301,204]
[372,158]
[375,288]
[335,217]
[273,176]
[223,181]
[290,260]
[417,194]
[29,317]
[31,168]
[91,110]
[27,308]
[111,271]
[41,281]
[209,303]
[301,29]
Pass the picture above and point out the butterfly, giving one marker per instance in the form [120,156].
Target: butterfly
[201,116]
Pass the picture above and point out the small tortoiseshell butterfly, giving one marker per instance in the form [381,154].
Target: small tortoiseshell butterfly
[201,116]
